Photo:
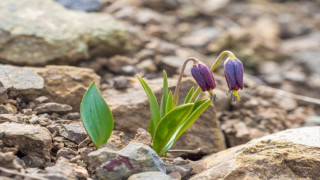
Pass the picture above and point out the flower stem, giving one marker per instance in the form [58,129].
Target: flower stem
[213,67]
[176,91]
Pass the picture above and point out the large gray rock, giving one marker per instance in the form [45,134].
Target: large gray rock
[19,81]
[132,159]
[130,108]
[289,154]
[37,32]
[33,141]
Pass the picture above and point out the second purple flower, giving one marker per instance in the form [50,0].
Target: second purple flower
[203,76]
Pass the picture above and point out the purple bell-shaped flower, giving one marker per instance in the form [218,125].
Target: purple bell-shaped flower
[204,77]
[233,69]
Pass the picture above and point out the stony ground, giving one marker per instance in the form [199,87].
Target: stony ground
[51,54]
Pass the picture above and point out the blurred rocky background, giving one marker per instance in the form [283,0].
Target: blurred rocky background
[51,50]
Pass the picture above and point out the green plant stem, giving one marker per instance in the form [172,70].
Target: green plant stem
[176,91]
[213,67]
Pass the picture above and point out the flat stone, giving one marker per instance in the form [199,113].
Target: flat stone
[66,84]
[74,132]
[152,175]
[31,140]
[289,154]
[52,107]
[67,36]
[9,118]
[20,81]
[132,159]
[81,5]
[131,109]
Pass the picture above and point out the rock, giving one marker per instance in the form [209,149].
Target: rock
[209,7]
[27,112]
[66,84]
[118,63]
[152,175]
[268,67]
[64,170]
[120,82]
[81,5]
[5,110]
[3,94]
[290,26]
[132,159]
[74,132]
[72,116]
[175,176]
[303,45]
[100,156]
[287,103]
[80,172]
[67,37]
[20,81]
[289,154]
[33,161]
[66,153]
[184,170]
[295,76]
[117,140]
[8,160]
[172,64]
[307,59]
[200,37]
[41,99]
[9,118]
[147,65]
[52,107]
[143,137]
[33,141]
[310,121]
[159,4]
[131,109]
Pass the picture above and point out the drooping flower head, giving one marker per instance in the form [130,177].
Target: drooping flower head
[233,70]
[204,77]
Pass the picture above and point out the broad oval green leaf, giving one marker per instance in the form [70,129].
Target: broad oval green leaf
[164,95]
[189,95]
[198,109]
[96,116]
[168,125]
[154,107]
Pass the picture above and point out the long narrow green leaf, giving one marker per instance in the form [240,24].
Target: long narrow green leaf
[168,125]
[169,105]
[198,109]
[154,107]
[151,128]
[164,95]
[96,116]
[189,95]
